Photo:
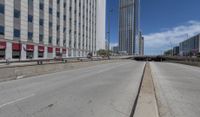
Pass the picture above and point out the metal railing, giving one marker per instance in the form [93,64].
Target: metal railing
[54,60]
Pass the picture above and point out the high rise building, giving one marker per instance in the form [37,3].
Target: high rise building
[101,19]
[129,21]
[37,29]
[141,45]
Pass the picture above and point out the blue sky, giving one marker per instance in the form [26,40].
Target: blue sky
[162,22]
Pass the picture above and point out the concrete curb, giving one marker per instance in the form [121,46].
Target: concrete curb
[147,103]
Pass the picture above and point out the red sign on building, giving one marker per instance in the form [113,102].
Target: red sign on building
[50,50]
[16,46]
[2,45]
[64,50]
[57,50]
[41,48]
[30,48]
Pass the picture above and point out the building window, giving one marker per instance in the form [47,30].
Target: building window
[64,5]
[1,30]
[41,22]
[50,11]
[2,9]
[50,40]
[64,17]
[16,33]
[41,38]
[58,15]
[29,55]
[41,6]
[30,36]
[58,1]
[40,54]
[30,2]
[16,13]
[15,54]
[58,27]
[2,54]
[58,41]
[30,18]
[64,29]
[50,24]
[64,42]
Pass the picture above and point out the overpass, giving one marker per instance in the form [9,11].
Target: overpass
[149,58]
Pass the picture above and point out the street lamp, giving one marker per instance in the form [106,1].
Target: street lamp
[109,15]
[172,51]
[20,46]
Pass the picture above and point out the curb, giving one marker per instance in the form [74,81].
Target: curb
[147,102]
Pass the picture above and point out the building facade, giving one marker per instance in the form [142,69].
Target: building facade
[141,45]
[115,49]
[101,19]
[168,52]
[129,21]
[190,47]
[44,29]
[176,51]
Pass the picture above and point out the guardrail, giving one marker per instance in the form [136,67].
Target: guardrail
[56,60]
[179,58]
[149,58]
[65,60]
[184,60]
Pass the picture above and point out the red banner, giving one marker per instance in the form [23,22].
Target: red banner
[2,45]
[30,48]
[41,48]
[16,46]
[64,50]
[50,50]
[57,50]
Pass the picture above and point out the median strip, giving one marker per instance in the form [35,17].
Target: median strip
[146,103]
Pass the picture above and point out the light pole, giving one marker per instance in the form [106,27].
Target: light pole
[172,51]
[20,47]
[109,15]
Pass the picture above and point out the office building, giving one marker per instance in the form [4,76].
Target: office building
[141,45]
[191,46]
[176,51]
[168,52]
[44,29]
[115,49]
[129,21]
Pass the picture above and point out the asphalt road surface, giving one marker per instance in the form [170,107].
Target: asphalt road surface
[178,89]
[106,90]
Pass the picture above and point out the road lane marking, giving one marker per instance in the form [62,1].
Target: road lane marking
[17,100]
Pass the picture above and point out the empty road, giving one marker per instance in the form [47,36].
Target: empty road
[106,90]
[178,89]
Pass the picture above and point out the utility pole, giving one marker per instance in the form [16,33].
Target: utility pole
[172,51]
[108,40]
[20,46]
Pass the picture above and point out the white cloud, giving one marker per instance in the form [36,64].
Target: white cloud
[113,45]
[157,42]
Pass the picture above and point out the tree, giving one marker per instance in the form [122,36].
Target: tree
[103,53]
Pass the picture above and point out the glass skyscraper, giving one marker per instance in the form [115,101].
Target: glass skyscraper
[129,21]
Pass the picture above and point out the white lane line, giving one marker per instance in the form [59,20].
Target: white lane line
[17,100]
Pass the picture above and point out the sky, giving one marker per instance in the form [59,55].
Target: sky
[164,23]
